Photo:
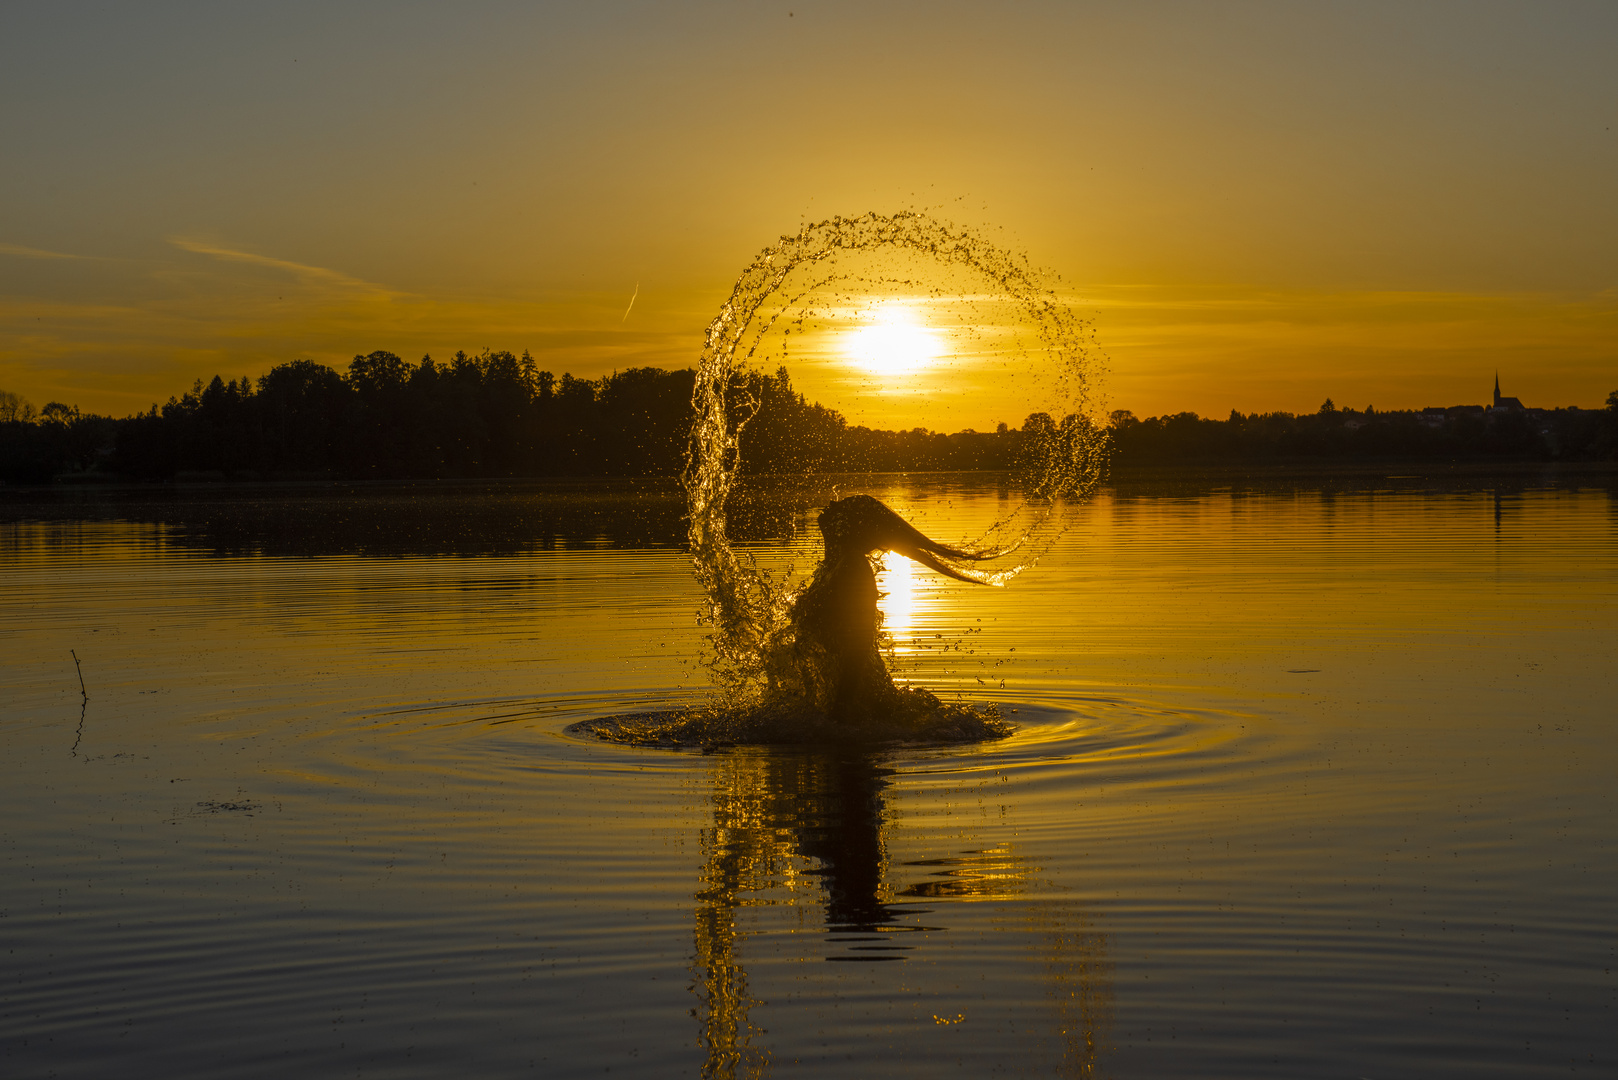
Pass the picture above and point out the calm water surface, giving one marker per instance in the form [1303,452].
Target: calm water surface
[1314,777]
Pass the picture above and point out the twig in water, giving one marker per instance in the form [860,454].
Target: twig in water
[78,736]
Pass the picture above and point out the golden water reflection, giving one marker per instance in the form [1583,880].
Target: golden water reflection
[896,594]
[801,829]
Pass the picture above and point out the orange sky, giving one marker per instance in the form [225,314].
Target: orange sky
[1260,205]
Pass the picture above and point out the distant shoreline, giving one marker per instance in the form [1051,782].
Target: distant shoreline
[1305,467]
[497,415]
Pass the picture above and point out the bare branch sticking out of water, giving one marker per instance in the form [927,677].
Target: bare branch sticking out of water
[84,704]
[78,734]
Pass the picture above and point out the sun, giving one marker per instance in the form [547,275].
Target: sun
[894,343]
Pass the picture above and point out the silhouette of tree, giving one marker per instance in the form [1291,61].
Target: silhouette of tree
[497,414]
[14,408]
[55,412]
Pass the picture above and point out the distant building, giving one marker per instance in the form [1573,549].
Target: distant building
[1439,416]
[1504,404]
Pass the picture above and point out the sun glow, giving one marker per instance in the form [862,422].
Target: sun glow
[895,343]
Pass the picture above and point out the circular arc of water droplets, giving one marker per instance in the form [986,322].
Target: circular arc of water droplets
[749,607]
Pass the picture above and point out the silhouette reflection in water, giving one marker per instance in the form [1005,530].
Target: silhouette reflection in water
[825,677]
[794,828]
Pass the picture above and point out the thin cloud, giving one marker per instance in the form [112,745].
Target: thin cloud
[34,253]
[309,274]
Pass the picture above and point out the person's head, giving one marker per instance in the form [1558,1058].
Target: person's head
[861,525]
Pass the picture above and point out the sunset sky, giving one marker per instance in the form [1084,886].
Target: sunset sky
[1260,205]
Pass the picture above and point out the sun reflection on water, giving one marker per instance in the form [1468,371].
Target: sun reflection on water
[896,594]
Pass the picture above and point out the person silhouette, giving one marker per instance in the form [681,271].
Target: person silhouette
[825,678]
[835,651]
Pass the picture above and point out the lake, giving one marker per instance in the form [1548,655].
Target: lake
[1313,776]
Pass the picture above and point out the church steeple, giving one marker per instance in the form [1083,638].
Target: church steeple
[1497,389]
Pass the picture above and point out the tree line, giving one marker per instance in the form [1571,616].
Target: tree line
[497,415]
[491,415]
[1454,434]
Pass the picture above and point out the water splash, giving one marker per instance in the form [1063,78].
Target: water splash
[762,650]
[750,607]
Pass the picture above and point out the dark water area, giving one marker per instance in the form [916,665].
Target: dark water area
[1312,776]
[515,516]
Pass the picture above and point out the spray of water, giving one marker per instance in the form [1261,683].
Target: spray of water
[748,607]
[756,616]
